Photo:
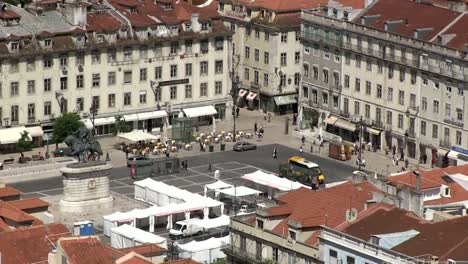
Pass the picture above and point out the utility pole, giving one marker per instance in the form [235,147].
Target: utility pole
[234,95]
[360,144]
[93,115]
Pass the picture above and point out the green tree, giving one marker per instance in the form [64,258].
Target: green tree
[24,143]
[65,126]
[119,126]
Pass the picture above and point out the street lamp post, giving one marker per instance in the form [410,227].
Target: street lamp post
[93,111]
[156,91]
[235,95]
[360,144]
[60,100]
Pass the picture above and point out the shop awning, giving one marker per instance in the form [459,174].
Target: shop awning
[331,120]
[442,152]
[87,122]
[285,99]
[200,111]
[242,92]
[345,124]
[374,131]
[152,115]
[11,135]
[251,96]
[453,155]
[104,121]
[138,136]
[35,131]
[130,117]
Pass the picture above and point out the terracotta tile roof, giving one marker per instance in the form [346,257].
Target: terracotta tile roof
[133,258]
[14,214]
[285,20]
[145,250]
[315,208]
[460,30]
[435,238]
[414,15]
[102,23]
[9,191]
[29,203]
[45,34]
[30,245]
[9,14]
[355,4]
[181,261]
[433,179]
[86,250]
[288,6]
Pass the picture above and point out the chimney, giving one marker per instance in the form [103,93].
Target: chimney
[457,5]
[196,27]
[421,33]
[367,20]
[418,180]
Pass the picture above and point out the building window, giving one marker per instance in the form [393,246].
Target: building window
[203,89]
[448,109]
[267,36]
[111,78]
[325,75]
[347,59]
[79,104]
[284,37]
[291,258]
[402,74]
[389,118]
[266,57]
[243,244]
[174,47]
[326,53]
[368,65]
[142,97]
[64,106]
[47,85]
[247,52]
[367,111]
[95,57]
[459,114]
[63,83]
[63,60]
[424,104]
[379,91]
[390,71]
[435,131]
[350,260]
[31,87]
[111,100]
[218,66]
[258,250]
[458,137]
[143,74]
[297,57]
[333,256]
[436,107]
[31,64]
[127,77]
[346,81]
[158,72]
[204,67]
[47,62]
[127,99]
[79,81]
[128,54]
[337,56]
[423,128]
[325,98]
[246,73]
[173,94]
[218,87]
[346,105]
[460,91]
[31,112]
[275,254]
[80,58]
[188,69]
[315,70]
[335,102]
[297,78]
[96,102]
[357,85]
[400,121]
[188,91]
[314,96]
[265,79]
[306,70]
[14,89]
[256,77]
[315,50]
[257,55]
[390,94]
[379,67]
[111,55]
[283,59]
[173,71]
[96,80]
[358,61]
[47,108]
[368,88]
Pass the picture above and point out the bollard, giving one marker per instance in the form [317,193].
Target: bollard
[107,157]
[311,149]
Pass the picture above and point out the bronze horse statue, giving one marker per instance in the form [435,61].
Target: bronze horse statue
[85,151]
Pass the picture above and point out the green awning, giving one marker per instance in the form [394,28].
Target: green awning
[285,99]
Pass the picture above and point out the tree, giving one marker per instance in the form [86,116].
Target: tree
[119,126]
[66,125]
[24,143]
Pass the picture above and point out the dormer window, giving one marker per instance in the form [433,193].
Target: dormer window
[14,46]
[175,29]
[221,6]
[345,16]
[260,223]
[47,43]
[292,235]
[335,12]
[167,7]
[132,9]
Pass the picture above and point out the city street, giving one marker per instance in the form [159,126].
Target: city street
[231,164]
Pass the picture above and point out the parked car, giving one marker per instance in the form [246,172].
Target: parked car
[186,228]
[62,152]
[140,161]
[243,146]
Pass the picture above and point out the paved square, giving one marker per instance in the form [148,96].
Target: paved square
[113,184]
[200,179]
[53,192]
[194,189]
[203,169]
[178,182]
[229,174]
[128,181]
[124,189]
[229,166]
[32,195]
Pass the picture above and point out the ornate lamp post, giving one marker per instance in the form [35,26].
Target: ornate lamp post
[93,110]
[235,96]
[60,100]
[157,92]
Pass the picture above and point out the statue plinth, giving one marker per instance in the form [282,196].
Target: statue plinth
[86,187]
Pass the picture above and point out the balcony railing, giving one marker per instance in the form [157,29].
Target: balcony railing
[243,254]
[344,114]
[381,54]
[445,143]
[453,121]
[410,133]
[378,124]
[337,42]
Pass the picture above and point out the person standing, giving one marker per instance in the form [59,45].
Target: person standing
[186,165]
[237,111]
[275,153]
[255,127]
[303,140]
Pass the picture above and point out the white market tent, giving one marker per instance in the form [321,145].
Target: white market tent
[13,134]
[217,185]
[200,111]
[206,251]
[128,236]
[272,181]
[210,223]
[138,136]
[239,191]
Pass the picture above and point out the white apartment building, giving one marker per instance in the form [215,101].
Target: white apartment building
[404,74]
[266,52]
[65,56]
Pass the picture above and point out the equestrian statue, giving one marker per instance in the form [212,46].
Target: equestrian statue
[83,145]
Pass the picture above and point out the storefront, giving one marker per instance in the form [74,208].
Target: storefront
[342,127]
[152,121]
[375,137]
[252,101]
[221,111]
[285,104]
[202,116]
[9,137]
[458,156]
[241,101]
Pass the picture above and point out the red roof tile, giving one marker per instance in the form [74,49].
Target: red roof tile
[434,238]
[9,191]
[413,13]
[133,258]
[460,30]
[102,23]
[9,14]
[29,203]
[30,245]
[433,179]
[14,214]
[148,249]
[182,261]
[86,250]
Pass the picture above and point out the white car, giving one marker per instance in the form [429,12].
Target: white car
[186,228]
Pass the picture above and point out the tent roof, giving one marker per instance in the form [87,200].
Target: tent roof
[218,185]
[273,181]
[239,191]
[211,243]
[138,136]
[138,234]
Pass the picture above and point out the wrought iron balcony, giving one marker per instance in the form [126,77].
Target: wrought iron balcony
[453,121]
[410,133]
[243,254]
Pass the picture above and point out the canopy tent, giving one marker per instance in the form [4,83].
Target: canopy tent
[128,236]
[217,185]
[206,251]
[152,115]
[285,99]
[138,136]
[209,223]
[200,111]
[239,191]
[113,220]
[272,181]
[13,134]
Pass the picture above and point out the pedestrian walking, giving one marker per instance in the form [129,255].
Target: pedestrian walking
[303,140]
[186,165]
[393,160]
[126,152]
[294,119]
[301,150]
[424,158]
[255,127]
[237,111]
[393,150]
[275,153]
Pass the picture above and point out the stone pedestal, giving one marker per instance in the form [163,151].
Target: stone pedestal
[86,187]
